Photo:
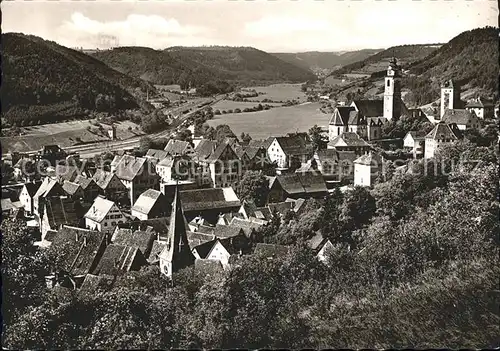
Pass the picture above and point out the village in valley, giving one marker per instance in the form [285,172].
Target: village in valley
[188,212]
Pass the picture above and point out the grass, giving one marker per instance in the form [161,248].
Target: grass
[274,122]
[231,105]
[280,92]
[64,134]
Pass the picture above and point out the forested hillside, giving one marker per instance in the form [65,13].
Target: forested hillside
[325,60]
[197,65]
[44,82]
[404,53]
[470,59]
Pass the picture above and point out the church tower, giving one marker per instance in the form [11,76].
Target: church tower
[176,254]
[450,96]
[392,92]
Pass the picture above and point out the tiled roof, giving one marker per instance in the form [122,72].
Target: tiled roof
[448,84]
[205,148]
[203,249]
[118,258]
[247,226]
[340,115]
[227,231]
[205,199]
[156,154]
[83,181]
[46,188]
[146,201]
[371,159]
[156,249]
[458,116]
[76,248]
[197,238]
[8,204]
[129,167]
[443,131]
[350,139]
[315,242]
[70,188]
[294,145]
[143,240]
[302,183]
[63,210]
[216,155]
[67,172]
[262,143]
[32,187]
[271,250]
[333,155]
[177,147]
[99,209]
[252,151]
[239,151]
[103,178]
[370,108]
[355,119]
[166,162]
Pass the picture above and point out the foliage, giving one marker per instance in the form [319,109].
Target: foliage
[254,186]
[44,83]
[398,128]
[318,140]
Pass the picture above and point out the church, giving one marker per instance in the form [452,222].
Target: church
[366,117]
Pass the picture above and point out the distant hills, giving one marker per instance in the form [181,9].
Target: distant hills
[196,65]
[45,82]
[314,60]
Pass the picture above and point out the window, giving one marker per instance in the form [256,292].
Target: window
[388,83]
[105,224]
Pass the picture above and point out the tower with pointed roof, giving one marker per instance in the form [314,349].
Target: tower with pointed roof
[176,254]
[450,96]
[392,91]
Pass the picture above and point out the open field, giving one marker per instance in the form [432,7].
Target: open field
[276,121]
[279,92]
[65,134]
[231,105]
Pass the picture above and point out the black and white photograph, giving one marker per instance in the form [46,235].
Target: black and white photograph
[250,174]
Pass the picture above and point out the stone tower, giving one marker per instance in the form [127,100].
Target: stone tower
[176,254]
[392,92]
[450,96]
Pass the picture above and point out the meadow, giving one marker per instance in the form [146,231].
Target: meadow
[274,122]
[64,134]
[279,92]
[231,105]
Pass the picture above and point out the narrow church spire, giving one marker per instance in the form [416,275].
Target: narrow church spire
[176,254]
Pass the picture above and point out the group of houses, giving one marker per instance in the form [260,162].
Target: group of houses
[179,207]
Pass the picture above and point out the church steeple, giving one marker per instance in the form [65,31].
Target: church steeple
[176,254]
[392,91]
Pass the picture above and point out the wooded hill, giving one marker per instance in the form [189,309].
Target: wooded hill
[470,59]
[44,82]
[197,65]
[406,54]
[325,60]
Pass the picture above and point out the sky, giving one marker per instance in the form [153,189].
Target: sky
[273,26]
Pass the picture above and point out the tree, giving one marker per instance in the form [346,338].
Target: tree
[245,138]
[254,186]
[318,140]
[145,143]
[358,208]
[223,131]
[185,135]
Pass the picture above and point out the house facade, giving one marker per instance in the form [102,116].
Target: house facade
[103,216]
[482,108]
[366,169]
[442,134]
[463,118]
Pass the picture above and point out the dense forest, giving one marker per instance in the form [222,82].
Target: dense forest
[325,60]
[194,66]
[406,53]
[414,265]
[44,82]
[470,58]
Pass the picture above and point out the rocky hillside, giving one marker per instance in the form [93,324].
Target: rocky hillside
[44,82]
